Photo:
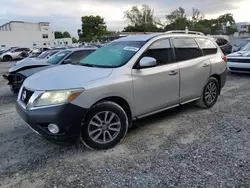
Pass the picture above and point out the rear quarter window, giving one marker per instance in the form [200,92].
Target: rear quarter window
[207,46]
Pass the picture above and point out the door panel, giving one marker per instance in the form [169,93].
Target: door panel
[193,77]
[155,88]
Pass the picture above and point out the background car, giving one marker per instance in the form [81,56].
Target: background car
[224,43]
[23,69]
[240,44]
[14,54]
[239,62]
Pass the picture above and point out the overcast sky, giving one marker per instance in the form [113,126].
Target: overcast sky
[66,15]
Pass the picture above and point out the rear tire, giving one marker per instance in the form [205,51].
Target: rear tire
[210,94]
[7,58]
[104,126]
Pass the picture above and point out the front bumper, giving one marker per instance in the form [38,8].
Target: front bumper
[15,81]
[238,67]
[67,117]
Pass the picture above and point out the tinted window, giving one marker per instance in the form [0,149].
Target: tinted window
[161,51]
[55,59]
[221,41]
[79,55]
[18,50]
[186,48]
[207,46]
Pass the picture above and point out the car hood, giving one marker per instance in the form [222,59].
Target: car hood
[65,77]
[28,63]
[240,54]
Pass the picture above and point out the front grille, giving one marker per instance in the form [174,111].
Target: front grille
[26,95]
[239,60]
[239,69]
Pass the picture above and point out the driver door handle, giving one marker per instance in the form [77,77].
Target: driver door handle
[172,73]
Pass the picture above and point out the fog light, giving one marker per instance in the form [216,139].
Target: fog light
[53,128]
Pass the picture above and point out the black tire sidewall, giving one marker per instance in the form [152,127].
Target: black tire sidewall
[214,80]
[104,106]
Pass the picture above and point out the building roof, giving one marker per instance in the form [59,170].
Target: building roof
[24,22]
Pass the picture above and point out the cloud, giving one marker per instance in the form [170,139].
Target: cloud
[66,14]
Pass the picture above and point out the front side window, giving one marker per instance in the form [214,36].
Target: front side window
[186,49]
[207,46]
[160,50]
[114,54]
[247,47]
[55,59]
[79,55]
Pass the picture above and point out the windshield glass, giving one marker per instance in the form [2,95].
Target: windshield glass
[44,54]
[55,59]
[242,43]
[247,47]
[114,54]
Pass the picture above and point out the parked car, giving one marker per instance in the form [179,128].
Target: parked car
[239,62]
[239,45]
[128,79]
[224,44]
[23,69]
[37,51]
[14,54]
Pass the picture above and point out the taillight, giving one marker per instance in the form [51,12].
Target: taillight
[224,58]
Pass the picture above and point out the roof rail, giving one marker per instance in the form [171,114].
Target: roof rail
[185,32]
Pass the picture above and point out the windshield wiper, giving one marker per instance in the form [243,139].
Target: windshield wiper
[87,65]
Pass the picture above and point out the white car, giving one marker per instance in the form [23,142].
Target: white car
[14,54]
[239,62]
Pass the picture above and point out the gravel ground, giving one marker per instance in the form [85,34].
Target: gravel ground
[184,147]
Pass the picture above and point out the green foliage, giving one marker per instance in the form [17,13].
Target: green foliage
[58,34]
[93,28]
[231,30]
[74,40]
[249,29]
[66,34]
[142,28]
[176,16]
[141,20]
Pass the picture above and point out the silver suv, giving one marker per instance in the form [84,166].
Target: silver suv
[128,79]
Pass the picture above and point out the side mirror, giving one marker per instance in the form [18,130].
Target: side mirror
[67,61]
[147,62]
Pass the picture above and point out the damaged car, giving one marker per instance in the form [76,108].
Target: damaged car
[23,69]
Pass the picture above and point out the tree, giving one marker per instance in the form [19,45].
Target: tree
[226,19]
[93,28]
[178,14]
[141,20]
[249,29]
[74,40]
[66,34]
[197,15]
[58,34]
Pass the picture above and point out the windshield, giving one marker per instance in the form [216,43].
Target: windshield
[55,59]
[247,47]
[242,43]
[114,54]
[44,54]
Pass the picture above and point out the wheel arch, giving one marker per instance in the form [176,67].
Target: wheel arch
[121,102]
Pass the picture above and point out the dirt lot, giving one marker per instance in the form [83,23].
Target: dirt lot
[184,147]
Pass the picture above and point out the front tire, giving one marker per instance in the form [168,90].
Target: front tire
[210,94]
[104,126]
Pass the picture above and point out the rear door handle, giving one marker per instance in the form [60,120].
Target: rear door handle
[173,73]
[206,65]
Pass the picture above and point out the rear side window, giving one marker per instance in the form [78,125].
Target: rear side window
[207,46]
[186,48]
[161,51]
[221,41]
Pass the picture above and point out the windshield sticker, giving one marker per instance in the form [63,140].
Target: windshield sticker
[129,48]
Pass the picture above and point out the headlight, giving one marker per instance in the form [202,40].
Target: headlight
[56,97]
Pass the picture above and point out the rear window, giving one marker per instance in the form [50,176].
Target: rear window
[221,41]
[207,46]
[186,48]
